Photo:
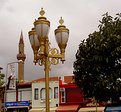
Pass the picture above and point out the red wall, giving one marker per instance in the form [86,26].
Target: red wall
[74,95]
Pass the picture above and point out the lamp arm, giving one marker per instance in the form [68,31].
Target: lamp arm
[59,56]
[54,53]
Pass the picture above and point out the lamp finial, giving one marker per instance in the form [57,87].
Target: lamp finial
[42,12]
[61,21]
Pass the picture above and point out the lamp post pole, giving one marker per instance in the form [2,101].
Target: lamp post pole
[47,84]
[47,78]
[43,53]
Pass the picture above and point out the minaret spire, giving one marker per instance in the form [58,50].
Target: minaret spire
[21,39]
[21,56]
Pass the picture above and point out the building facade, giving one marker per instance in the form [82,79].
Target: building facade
[39,92]
[19,99]
[65,96]
[71,97]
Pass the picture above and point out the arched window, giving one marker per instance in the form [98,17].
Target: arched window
[43,93]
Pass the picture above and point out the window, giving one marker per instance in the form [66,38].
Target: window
[63,95]
[43,93]
[36,93]
[56,92]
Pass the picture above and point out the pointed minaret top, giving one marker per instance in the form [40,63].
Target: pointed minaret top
[21,41]
[21,55]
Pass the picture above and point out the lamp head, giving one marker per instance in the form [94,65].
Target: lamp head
[62,35]
[33,37]
[42,25]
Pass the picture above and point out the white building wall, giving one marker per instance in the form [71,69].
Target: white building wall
[25,94]
[41,103]
[10,95]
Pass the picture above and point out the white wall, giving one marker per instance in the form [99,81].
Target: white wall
[10,96]
[23,95]
[41,103]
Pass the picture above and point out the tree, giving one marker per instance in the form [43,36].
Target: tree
[1,78]
[97,68]
[1,83]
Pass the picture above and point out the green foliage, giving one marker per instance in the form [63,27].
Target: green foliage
[97,68]
[1,79]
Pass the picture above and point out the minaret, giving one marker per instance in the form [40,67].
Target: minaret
[21,56]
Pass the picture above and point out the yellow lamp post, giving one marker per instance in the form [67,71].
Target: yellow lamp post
[43,53]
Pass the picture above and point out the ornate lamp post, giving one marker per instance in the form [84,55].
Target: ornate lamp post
[43,53]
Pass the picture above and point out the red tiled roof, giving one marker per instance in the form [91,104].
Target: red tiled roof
[37,80]
[69,79]
[43,79]
[24,84]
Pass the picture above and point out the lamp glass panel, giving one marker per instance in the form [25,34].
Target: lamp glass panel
[62,37]
[36,41]
[31,39]
[42,30]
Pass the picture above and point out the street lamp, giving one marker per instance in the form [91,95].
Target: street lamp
[43,53]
